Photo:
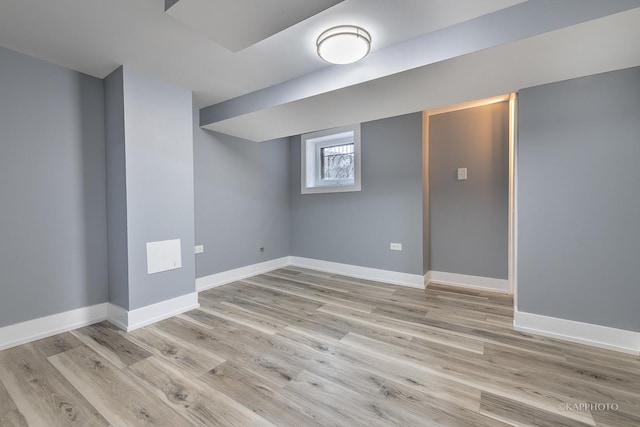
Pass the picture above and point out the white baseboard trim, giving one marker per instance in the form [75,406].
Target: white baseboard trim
[43,327]
[427,279]
[583,333]
[143,316]
[225,277]
[367,273]
[470,282]
[118,316]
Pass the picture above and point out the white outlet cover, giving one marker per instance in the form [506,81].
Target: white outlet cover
[395,246]
[199,249]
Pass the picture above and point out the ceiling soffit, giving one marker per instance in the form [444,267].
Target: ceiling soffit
[485,32]
[554,56]
[238,24]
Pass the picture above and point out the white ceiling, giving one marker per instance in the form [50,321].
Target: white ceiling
[425,54]
[238,24]
[97,36]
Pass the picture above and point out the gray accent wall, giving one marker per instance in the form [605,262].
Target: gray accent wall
[469,220]
[53,242]
[242,200]
[158,169]
[357,227]
[116,190]
[579,199]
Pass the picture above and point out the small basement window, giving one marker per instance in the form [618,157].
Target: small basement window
[331,160]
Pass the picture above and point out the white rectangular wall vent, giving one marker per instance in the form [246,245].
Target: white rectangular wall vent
[164,255]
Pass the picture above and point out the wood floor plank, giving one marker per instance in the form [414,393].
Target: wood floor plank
[362,296]
[398,313]
[586,380]
[106,340]
[337,283]
[339,278]
[436,386]
[414,330]
[615,418]
[232,312]
[208,320]
[41,394]
[188,357]
[250,292]
[473,372]
[380,381]
[518,414]
[369,329]
[198,403]
[501,321]
[120,399]
[332,404]
[264,365]
[312,294]
[257,394]
[495,335]
[298,318]
[272,350]
[438,412]
[57,344]
[6,403]
[13,419]
[9,413]
[339,370]
[437,289]
[298,347]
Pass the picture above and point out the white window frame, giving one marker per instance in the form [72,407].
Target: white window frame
[311,146]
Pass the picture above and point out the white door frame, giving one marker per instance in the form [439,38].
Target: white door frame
[513,219]
[512,245]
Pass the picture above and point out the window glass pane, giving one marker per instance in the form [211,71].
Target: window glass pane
[330,160]
[337,162]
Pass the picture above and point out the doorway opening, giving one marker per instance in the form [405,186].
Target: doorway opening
[469,200]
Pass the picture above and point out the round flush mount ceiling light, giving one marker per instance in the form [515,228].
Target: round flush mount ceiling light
[343,44]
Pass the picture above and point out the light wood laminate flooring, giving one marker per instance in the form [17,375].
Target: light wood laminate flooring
[296,347]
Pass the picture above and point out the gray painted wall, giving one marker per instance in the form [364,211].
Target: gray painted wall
[158,133]
[149,128]
[357,227]
[242,200]
[469,220]
[579,199]
[116,190]
[53,247]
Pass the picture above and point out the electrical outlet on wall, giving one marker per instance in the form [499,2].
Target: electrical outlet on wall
[395,246]
[199,249]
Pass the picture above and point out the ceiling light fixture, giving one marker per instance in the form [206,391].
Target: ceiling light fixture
[343,44]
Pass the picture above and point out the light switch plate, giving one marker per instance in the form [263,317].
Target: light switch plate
[462,174]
